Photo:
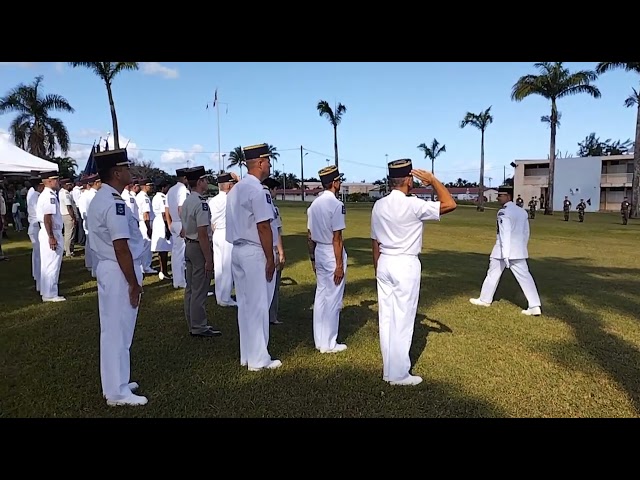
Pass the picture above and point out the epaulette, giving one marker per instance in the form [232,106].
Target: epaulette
[117,196]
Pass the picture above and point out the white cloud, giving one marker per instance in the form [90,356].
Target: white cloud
[59,66]
[17,64]
[155,68]
[176,156]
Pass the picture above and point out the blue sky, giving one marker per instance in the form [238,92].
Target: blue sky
[391,108]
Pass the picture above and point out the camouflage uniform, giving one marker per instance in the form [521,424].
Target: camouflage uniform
[532,208]
[566,207]
[625,211]
[581,208]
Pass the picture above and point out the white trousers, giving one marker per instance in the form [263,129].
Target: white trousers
[328,298]
[222,267]
[520,270]
[254,295]
[50,262]
[178,264]
[117,325]
[147,256]
[35,252]
[89,262]
[398,281]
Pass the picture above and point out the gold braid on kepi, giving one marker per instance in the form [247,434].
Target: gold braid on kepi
[253,152]
[400,168]
[329,174]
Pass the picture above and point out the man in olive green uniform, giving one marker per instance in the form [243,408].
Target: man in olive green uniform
[581,208]
[196,228]
[566,207]
[532,208]
[625,210]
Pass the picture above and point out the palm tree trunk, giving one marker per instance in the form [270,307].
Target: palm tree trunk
[335,144]
[548,199]
[481,189]
[114,119]
[635,189]
[432,167]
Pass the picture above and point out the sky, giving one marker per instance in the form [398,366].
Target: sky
[391,109]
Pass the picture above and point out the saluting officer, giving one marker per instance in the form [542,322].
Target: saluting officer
[175,199]
[118,248]
[325,223]
[249,216]
[396,234]
[271,184]
[221,248]
[196,228]
[510,251]
[50,238]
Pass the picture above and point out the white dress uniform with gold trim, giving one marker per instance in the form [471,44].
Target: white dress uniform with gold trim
[144,206]
[176,196]
[34,228]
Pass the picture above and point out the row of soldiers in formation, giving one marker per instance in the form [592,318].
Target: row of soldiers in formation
[625,208]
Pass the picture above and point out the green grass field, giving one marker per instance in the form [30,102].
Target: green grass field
[580,359]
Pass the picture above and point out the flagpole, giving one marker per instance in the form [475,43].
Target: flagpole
[221,167]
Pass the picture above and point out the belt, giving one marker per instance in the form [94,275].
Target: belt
[188,240]
[54,228]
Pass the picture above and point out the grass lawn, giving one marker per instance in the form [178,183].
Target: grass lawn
[580,359]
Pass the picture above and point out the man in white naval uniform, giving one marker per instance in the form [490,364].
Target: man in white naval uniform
[248,225]
[160,234]
[34,227]
[93,183]
[129,196]
[146,219]
[271,184]
[50,239]
[510,251]
[118,248]
[221,248]
[175,198]
[396,238]
[325,223]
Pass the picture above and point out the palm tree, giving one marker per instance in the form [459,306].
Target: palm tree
[273,153]
[633,99]
[481,121]
[107,72]
[432,152]
[237,159]
[33,129]
[554,82]
[335,117]
[66,167]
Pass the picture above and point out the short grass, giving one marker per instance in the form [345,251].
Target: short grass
[580,359]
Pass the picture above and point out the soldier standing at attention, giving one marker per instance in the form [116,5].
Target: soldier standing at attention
[566,207]
[221,248]
[50,238]
[175,198]
[145,217]
[160,234]
[67,208]
[520,202]
[510,251]
[196,229]
[581,208]
[34,227]
[396,234]
[118,248]
[532,208]
[249,216]
[625,210]
[326,221]
[271,184]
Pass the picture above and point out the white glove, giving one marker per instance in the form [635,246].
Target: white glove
[506,262]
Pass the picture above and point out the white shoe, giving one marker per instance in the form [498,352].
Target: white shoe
[480,303]
[535,311]
[210,294]
[132,400]
[228,304]
[272,365]
[410,380]
[340,347]
[53,299]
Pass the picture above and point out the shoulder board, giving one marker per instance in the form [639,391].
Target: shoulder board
[201,197]
[500,213]
[52,192]
[117,196]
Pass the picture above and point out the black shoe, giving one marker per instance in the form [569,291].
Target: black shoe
[208,333]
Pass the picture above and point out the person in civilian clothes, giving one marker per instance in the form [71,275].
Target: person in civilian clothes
[146,218]
[249,216]
[118,248]
[221,248]
[34,227]
[510,251]
[326,221]
[397,222]
[175,198]
[278,250]
[50,238]
[196,231]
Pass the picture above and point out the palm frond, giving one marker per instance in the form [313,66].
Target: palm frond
[54,101]
[604,67]
[633,99]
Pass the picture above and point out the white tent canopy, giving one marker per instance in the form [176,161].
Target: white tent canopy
[15,160]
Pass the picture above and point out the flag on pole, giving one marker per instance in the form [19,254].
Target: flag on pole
[90,167]
[215,98]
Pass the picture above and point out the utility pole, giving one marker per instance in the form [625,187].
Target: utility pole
[504,174]
[302,173]
[489,178]
[284,182]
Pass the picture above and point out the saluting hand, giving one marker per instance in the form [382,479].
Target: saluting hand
[134,295]
[424,176]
